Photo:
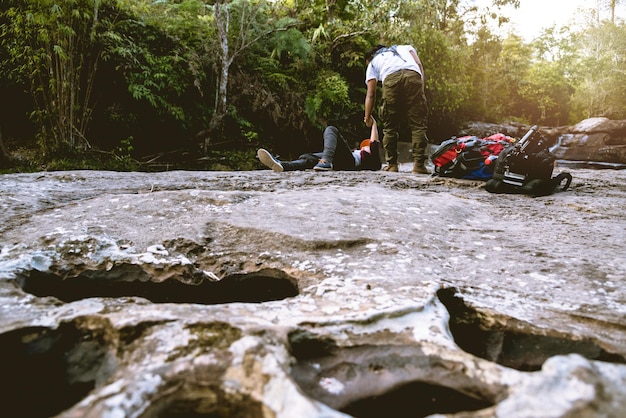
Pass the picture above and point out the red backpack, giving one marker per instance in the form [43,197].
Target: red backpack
[469,157]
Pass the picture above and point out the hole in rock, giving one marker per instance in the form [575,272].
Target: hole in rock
[130,280]
[512,344]
[204,402]
[415,399]
[46,371]
[381,380]
[307,346]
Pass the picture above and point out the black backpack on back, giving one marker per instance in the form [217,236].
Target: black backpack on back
[526,168]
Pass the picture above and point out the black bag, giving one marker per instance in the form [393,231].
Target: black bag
[526,168]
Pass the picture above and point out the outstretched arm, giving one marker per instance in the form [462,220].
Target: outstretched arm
[374,133]
[370,99]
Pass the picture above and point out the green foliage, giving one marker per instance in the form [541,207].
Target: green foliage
[487,103]
[53,48]
[546,93]
[32,161]
[152,65]
[329,100]
[178,74]
[232,160]
[124,151]
[290,43]
[448,82]
[600,72]
[88,161]
[513,65]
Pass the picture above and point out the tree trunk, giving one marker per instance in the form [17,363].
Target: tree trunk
[222,20]
[227,53]
[612,5]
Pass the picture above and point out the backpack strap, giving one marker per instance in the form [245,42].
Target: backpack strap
[557,182]
[393,48]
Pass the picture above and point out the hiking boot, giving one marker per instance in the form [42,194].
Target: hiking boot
[323,166]
[392,168]
[269,161]
[418,168]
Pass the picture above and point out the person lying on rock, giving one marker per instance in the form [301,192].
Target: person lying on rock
[336,155]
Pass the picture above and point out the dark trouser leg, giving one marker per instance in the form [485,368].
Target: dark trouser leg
[417,116]
[337,151]
[390,115]
[304,162]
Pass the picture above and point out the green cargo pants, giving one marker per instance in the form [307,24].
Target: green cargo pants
[403,99]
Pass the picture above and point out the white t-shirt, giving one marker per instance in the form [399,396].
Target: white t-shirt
[388,62]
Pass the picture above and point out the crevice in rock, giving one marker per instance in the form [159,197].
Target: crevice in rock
[510,342]
[125,281]
[372,380]
[415,399]
[305,345]
[45,371]
[204,402]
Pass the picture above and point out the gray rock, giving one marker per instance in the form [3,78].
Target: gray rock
[303,294]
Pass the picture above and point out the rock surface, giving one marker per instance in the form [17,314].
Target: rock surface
[303,294]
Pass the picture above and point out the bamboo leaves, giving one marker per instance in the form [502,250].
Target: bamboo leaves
[54,42]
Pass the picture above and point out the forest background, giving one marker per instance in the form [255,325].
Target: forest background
[200,84]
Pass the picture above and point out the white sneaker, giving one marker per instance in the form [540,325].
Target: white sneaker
[269,161]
